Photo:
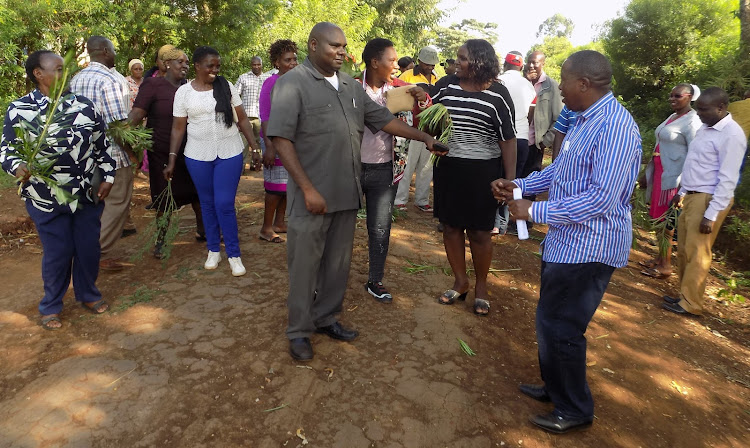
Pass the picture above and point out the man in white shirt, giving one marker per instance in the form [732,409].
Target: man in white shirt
[709,177]
[522,93]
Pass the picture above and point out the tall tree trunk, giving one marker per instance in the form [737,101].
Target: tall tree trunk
[745,29]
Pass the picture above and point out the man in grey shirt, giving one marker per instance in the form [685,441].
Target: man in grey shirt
[317,121]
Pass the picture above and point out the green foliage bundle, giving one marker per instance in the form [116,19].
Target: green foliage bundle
[163,229]
[436,121]
[139,138]
[38,150]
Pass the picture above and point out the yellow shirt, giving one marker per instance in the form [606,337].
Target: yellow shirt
[740,111]
[411,78]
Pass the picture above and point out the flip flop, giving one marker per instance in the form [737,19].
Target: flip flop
[93,307]
[452,296]
[44,323]
[275,239]
[481,307]
[653,273]
[650,264]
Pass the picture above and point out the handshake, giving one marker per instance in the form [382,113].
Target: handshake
[518,208]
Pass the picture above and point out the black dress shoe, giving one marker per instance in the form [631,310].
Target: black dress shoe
[337,331]
[560,425]
[301,349]
[670,299]
[677,309]
[538,393]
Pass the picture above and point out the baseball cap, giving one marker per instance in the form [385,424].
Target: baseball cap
[429,56]
[514,58]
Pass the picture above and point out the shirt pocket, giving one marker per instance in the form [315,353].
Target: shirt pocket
[319,119]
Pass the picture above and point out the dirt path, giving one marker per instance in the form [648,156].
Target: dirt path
[195,358]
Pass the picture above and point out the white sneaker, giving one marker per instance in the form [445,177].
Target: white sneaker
[213,260]
[237,268]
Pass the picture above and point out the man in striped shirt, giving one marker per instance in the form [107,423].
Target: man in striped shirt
[590,232]
[109,91]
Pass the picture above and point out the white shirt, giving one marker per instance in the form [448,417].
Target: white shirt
[208,138]
[334,80]
[713,163]
[522,93]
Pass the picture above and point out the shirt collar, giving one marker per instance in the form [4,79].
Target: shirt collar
[40,98]
[95,64]
[542,78]
[316,74]
[721,124]
[595,108]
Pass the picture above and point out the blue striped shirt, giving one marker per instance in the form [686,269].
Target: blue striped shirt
[565,120]
[590,184]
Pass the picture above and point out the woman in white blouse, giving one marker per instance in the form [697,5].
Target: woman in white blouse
[210,109]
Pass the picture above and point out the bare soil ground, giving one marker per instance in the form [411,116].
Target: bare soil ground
[195,358]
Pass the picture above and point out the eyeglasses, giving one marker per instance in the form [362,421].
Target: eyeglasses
[678,95]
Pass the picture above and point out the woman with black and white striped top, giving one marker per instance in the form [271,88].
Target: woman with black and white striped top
[483,145]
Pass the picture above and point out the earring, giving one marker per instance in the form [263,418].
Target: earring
[167,67]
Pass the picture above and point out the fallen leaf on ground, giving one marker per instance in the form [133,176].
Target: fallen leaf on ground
[353,308]
[304,367]
[301,436]
[330,372]
[591,364]
[608,370]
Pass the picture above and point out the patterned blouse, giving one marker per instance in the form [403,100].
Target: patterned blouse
[76,142]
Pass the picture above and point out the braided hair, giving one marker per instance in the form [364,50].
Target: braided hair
[222,92]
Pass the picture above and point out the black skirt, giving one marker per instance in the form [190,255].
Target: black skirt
[463,196]
[183,188]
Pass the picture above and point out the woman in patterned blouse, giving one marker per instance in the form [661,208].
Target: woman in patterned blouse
[65,207]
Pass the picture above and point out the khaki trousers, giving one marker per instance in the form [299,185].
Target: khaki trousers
[116,209]
[694,250]
[255,124]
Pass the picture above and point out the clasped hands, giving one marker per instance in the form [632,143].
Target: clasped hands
[502,190]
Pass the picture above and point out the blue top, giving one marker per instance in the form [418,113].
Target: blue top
[565,120]
[590,184]
[76,142]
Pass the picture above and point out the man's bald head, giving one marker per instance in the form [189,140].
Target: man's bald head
[537,54]
[326,48]
[591,65]
[102,50]
[321,31]
[714,96]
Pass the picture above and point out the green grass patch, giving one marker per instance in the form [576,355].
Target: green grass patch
[143,294]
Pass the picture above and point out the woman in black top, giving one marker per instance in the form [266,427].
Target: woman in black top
[482,144]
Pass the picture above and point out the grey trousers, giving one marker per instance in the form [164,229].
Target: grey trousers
[319,253]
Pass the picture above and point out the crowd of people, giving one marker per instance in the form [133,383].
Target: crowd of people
[327,141]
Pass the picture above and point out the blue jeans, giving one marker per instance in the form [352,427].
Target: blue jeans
[522,153]
[71,247]
[216,182]
[569,296]
[380,192]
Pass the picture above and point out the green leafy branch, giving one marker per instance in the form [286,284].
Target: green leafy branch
[163,229]
[436,121]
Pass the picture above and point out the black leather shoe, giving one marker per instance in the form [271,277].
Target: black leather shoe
[672,300]
[560,425]
[538,393]
[677,309]
[301,349]
[337,331]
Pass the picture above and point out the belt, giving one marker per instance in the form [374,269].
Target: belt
[695,192]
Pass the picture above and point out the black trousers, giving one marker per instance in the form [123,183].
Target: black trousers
[569,296]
